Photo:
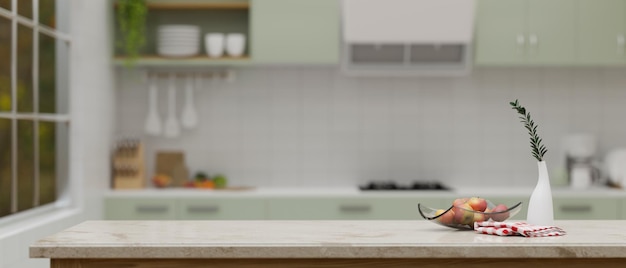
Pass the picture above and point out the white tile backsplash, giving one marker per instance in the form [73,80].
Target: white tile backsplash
[313,126]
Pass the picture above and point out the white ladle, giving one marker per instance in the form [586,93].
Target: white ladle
[153,122]
[189,117]
[172,129]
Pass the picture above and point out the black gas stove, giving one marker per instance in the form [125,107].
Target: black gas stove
[394,186]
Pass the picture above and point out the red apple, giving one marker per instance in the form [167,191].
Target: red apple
[477,203]
[459,201]
[463,214]
[499,215]
[189,184]
[446,218]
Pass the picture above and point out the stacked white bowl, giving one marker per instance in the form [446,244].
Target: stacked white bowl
[178,40]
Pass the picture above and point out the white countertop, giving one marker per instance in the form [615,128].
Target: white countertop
[322,239]
[355,192]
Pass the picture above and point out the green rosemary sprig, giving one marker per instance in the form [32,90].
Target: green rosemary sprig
[538,149]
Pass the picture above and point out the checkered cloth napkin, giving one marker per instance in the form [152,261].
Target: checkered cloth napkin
[516,228]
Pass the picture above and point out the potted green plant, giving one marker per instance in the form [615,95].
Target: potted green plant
[131,19]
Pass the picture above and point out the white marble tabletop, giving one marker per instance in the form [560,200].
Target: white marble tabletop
[322,239]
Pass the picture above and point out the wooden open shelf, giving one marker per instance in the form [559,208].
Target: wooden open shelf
[202,60]
[195,6]
[172,6]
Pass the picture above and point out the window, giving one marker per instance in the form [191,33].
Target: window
[34,116]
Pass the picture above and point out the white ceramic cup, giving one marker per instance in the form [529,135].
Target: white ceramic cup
[214,44]
[235,44]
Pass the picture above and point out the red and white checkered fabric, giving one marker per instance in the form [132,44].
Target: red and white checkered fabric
[516,228]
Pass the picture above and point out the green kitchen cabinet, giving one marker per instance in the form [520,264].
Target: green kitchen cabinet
[139,208]
[601,30]
[347,208]
[526,32]
[573,208]
[222,209]
[551,32]
[295,31]
[500,31]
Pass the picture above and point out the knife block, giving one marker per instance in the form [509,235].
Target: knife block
[128,165]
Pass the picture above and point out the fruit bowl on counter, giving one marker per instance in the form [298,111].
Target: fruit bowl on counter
[465,211]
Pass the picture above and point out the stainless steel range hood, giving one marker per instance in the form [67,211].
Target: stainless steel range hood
[407,37]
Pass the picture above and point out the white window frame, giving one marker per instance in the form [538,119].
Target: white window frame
[63,198]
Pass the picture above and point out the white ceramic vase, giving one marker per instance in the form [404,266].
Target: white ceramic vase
[540,210]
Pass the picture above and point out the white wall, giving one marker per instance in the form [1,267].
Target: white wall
[312,126]
[91,109]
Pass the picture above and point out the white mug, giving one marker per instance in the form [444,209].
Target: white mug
[214,44]
[235,44]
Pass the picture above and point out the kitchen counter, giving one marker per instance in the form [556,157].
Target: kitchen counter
[323,243]
[355,192]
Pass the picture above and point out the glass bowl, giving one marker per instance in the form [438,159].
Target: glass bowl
[463,219]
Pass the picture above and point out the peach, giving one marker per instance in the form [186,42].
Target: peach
[477,203]
[463,214]
[457,202]
[446,218]
[499,216]
[478,217]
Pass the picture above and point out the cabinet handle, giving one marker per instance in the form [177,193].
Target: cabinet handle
[355,208]
[521,42]
[620,44]
[533,42]
[576,208]
[151,209]
[203,209]
[520,39]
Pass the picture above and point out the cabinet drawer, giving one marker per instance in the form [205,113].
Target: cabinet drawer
[347,208]
[139,209]
[222,209]
[586,209]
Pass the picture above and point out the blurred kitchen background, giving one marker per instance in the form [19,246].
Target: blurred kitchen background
[314,126]
[294,109]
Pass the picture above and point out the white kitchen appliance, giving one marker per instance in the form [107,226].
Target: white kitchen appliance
[615,163]
[407,37]
[582,167]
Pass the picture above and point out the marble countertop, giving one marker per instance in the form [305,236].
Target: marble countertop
[322,239]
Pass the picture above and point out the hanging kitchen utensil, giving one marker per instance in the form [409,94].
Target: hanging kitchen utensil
[172,129]
[189,117]
[153,122]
